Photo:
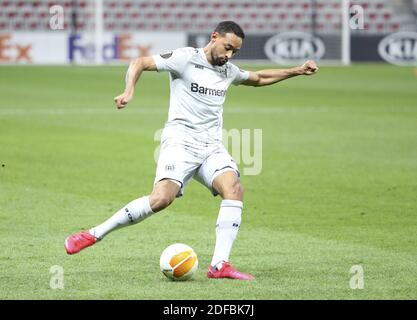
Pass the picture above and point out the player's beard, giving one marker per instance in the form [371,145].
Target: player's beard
[222,61]
[219,61]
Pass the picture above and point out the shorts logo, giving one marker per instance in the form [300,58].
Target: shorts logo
[169,167]
[166,55]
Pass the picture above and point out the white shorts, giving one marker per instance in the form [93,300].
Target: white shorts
[183,156]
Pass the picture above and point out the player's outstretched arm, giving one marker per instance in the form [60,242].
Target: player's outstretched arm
[271,76]
[133,73]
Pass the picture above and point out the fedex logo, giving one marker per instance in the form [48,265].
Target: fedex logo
[120,47]
[13,52]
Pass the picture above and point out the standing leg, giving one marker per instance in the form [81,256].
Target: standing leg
[229,187]
[230,215]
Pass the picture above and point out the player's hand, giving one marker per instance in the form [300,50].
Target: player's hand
[122,100]
[309,68]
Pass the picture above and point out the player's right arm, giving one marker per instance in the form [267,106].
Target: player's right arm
[133,73]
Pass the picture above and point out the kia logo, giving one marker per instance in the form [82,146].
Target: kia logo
[294,47]
[399,48]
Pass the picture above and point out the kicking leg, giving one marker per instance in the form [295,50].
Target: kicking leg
[162,196]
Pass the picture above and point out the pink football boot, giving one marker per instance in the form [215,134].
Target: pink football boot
[227,271]
[78,241]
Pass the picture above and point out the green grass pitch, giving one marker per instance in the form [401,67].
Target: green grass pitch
[338,187]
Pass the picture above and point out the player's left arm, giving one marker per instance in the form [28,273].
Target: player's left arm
[271,76]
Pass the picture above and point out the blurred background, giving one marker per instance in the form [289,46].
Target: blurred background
[285,31]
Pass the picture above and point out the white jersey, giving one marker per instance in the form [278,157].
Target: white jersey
[198,89]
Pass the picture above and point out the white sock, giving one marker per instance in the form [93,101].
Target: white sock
[227,227]
[132,213]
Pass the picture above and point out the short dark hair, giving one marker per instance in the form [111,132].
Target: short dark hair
[230,27]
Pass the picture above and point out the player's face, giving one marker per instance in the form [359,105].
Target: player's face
[224,47]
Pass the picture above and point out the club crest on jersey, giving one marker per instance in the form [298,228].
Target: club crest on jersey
[166,55]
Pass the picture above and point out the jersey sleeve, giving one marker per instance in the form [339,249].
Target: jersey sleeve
[173,61]
[239,75]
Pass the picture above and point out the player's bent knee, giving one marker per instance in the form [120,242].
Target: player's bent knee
[234,192]
[160,201]
[163,194]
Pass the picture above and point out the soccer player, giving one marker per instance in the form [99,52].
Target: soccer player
[191,142]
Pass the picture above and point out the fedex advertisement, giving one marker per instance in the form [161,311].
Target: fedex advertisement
[28,48]
[63,48]
[123,47]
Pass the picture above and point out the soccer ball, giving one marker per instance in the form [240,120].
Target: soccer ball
[178,262]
